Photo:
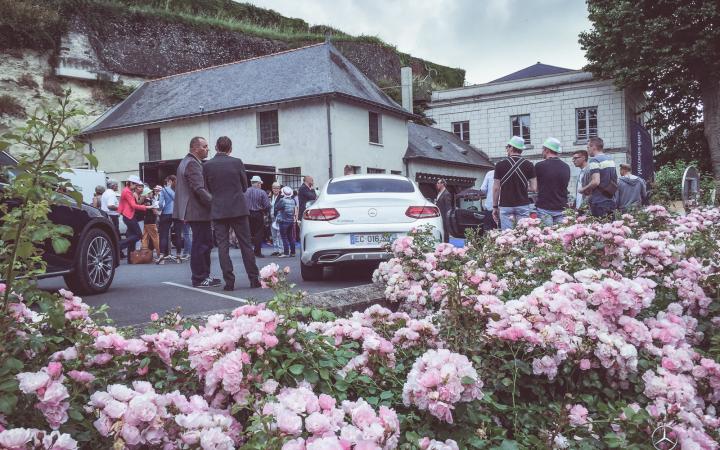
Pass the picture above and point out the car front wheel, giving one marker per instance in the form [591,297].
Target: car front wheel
[94,264]
[311,273]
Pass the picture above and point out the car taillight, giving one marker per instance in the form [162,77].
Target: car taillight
[422,212]
[321,214]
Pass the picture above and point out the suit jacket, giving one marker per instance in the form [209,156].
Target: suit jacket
[226,180]
[305,194]
[444,203]
[192,199]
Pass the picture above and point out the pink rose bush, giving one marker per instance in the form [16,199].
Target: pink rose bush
[30,438]
[52,395]
[438,380]
[583,335]
[142,418]
[304,420]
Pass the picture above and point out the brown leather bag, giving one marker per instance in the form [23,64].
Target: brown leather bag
[142,256]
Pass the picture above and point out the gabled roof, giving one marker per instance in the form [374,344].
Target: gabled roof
[435,144]
[308,72]
[536,70]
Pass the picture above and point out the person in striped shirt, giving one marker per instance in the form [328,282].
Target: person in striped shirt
[258,204]
[603,180]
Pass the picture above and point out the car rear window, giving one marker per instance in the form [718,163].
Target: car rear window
[370,185]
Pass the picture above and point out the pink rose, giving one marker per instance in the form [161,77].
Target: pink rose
[585,364]
[288,422]
[326,402]
[154,317]
[81,376]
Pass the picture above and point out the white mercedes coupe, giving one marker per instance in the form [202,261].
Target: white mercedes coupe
[356,216]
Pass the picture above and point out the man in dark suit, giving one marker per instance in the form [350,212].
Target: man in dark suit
[226,180]
[444,204]
[192,205]
[305,194]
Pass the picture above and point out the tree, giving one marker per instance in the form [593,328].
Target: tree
[671,51]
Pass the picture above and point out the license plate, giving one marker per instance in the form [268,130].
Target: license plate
[375,239]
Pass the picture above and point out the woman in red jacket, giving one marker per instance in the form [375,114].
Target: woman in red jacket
[127,208]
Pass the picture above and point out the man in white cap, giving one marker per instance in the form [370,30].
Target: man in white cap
[553,177]
[514,176]
[259,204]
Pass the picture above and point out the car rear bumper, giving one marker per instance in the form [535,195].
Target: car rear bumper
[324,244]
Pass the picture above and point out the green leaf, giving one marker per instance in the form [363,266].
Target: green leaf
[316,314]
[13,364]
[373,400]
[324,374]
[296,369]
[507,445]
[76,415]
[25,249]
[385,395]
[60,245]
[92,159]
[341,385]
[8,385]
[7,404]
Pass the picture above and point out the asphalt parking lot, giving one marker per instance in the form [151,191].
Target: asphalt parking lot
[140,290]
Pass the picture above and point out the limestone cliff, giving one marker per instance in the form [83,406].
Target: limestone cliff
[101,49]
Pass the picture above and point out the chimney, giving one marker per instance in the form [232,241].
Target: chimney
[406,88]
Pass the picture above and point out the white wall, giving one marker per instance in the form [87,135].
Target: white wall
[351,140]
[552,113]
[303,140]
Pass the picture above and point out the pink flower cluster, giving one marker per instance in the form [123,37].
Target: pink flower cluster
[75,308]
[577,415]
[271,275]
[221,348]
[417,333]
[431,444]
[141,418]
[52,395]
[315,422]
[438,380]
[33,439]
[686,279]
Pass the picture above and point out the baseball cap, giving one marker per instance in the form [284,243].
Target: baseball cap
[517,142]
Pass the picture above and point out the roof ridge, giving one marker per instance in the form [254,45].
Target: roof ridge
[237,62]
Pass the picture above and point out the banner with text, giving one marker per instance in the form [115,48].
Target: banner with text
[641,152]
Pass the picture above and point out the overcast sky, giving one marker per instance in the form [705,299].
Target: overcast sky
[487,38]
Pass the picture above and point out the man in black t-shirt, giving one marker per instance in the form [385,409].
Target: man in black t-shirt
[553,176]
[514,176]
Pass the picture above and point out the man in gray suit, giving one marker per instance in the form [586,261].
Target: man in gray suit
[192,205]
[226,180]
[444,204]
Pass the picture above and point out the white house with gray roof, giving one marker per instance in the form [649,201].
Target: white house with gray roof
[538,102]
[306,111]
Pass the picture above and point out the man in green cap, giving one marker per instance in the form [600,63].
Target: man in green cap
[553,177]
[514,175]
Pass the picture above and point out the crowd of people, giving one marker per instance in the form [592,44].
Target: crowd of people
[210,203]
[598,190]
[207,203]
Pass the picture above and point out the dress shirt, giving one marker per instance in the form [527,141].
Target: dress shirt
[257,199]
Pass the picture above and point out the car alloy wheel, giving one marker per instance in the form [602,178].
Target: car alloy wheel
[99,261]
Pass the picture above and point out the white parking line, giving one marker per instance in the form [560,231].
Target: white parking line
[204,291]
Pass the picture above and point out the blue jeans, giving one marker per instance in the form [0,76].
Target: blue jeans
[550,217]
[187,239]
[132,235]
[286,230]
[603,208]
[510,215]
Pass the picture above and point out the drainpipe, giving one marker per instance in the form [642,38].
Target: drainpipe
[329,134]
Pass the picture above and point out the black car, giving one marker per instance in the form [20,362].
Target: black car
[89,264]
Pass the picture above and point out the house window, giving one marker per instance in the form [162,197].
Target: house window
[462,130]
[521,126]
[153,144]
[290,176]
[375,127]
[586,119]
[268,128]
[396,172]
[374,170]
